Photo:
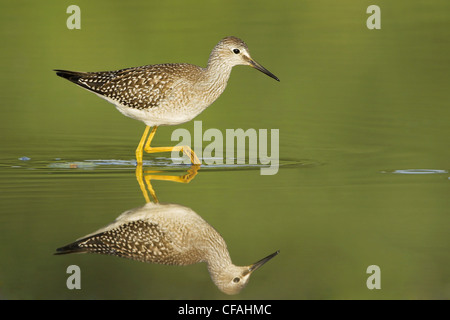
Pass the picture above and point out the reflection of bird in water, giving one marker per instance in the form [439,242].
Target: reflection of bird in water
[168,234]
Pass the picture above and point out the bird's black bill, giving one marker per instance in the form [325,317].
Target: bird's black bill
[259,67]
[261,262]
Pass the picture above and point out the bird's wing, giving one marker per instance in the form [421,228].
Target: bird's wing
[139,88]
[136,240]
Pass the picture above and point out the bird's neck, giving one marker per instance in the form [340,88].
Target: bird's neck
[217,65]
[217,257]
[216,76]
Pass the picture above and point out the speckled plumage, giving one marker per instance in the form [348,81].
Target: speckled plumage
[142,87]
[136,240]
[166,234]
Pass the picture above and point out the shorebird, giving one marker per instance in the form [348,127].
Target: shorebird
[168,234]
[167,94]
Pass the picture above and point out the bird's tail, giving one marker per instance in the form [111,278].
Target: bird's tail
[70,248]
[70,75]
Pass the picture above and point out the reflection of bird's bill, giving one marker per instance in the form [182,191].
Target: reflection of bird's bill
[259,67]
[261,262]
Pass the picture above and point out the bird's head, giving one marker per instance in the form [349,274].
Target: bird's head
[232,279]
[233,51]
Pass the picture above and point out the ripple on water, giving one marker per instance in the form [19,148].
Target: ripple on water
[155,163]
[167,164]
[416,171]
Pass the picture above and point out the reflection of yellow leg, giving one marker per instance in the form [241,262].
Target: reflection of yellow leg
[142,185]
[188,177]
[191,173]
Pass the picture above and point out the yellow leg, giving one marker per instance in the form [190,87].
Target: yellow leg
[149,149]
[141,145]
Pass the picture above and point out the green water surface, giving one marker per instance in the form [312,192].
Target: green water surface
[363,117]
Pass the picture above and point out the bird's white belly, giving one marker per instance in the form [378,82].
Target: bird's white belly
[160,115]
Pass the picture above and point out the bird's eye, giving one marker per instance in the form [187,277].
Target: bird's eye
[236,51]
[236,280]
